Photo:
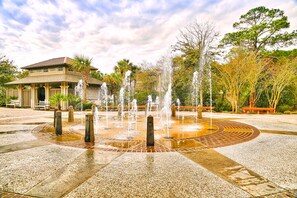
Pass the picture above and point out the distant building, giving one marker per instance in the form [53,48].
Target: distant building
[47,78]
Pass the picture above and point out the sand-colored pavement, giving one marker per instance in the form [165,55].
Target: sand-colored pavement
[264,166]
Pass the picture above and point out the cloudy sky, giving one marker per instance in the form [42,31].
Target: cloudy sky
[110,30]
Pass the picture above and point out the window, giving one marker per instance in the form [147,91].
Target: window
[45,70]
[60,68]
[52,69]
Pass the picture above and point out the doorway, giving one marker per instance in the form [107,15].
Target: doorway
[41,94]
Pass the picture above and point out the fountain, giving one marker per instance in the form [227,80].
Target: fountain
[79,91]
[125,131]
[105,99]
[96,119]
[149,105]
[167,110]
[134,113]
[125,92]
[178,106]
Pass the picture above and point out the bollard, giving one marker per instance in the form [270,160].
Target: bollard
[58,123]
[199,112]
[89,131]
[55,111]
[150,139]
[173,110]
[70,114]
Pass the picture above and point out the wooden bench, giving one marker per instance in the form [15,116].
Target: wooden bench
[193,108]
[257,109]
[13,103]
[42,105]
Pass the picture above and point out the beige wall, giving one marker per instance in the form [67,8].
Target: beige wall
[92,93]
[26,98]
[50,71]
[12,92]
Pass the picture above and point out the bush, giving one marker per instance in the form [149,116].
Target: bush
[73,101]
[287,112]
[87,105]
[283,108]
[222,106]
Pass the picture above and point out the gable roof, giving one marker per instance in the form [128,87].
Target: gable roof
[53,62]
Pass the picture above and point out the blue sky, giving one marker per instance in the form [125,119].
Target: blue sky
[110,30]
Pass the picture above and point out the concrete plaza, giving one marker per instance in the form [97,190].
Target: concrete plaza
[265,166]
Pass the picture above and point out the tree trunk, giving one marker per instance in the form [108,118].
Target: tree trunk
[85,91]
[201,96]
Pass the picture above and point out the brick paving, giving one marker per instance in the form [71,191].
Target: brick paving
[228,133]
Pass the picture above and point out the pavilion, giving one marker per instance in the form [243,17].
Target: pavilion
[47,78]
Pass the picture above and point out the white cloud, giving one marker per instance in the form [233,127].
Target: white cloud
[108,32]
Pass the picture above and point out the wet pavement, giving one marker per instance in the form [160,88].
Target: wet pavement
[262,166]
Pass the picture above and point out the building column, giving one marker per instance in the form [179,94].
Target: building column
[20,94]
[33,94]
[47,92]
[64,91]
[66,94]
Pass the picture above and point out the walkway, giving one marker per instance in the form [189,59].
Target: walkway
[264,166]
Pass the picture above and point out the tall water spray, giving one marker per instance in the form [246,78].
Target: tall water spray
[125,94]
[195,91]
[96,119]
[149,105]
[167,109]
[79,91]
[105,99]
[166,88]
[134,113]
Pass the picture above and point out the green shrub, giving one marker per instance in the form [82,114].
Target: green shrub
[56,99]
[87,105]
[283,108]
[287,112]
[73,100]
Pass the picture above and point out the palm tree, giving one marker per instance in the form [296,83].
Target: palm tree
[82,64]
[125,65]
[57,99]
[114,81]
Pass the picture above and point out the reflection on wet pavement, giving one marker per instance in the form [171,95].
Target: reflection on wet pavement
[73,174]
[235,173]
[22,146]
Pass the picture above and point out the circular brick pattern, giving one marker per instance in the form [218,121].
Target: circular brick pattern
[227,133]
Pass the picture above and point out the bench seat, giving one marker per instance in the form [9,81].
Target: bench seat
[258,109]
[42,105]
[13,103]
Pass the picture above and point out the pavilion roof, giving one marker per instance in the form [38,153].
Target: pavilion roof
[53,78]
[53,62]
